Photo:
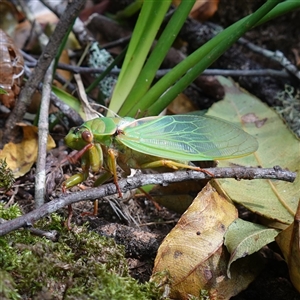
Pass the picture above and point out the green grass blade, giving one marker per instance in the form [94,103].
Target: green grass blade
[162,47]
[149,21]
[130,10]
[197,62]
[279,10]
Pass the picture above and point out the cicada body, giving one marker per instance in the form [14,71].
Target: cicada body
[170,141]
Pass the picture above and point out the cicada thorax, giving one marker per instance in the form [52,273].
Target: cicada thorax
[11,69]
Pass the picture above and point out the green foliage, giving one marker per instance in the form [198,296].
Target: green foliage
[6,176]
[133,93]
[81,264]
[10,213]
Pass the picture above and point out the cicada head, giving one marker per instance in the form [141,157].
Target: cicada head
[78,137]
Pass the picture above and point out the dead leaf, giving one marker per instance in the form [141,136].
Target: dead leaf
[9,17]
[289,243]
[177,196]
[275,200]
[20,157]
[194,255]
[11,69]
[64,58]
[202,10]
[181,105]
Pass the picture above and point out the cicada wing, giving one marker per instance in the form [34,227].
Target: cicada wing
[187,137]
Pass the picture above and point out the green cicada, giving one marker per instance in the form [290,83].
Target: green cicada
[151,142]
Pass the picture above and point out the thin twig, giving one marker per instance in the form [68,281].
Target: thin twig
[51,235]
[162,72]
[32,62]
[277,56]
[69,112]
[42,37]
[141,180]
[44,61]
[40,178]
[57,7]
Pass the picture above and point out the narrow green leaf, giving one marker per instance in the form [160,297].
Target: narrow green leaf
[147,26]
[69,100]
[197,62]
[153,63]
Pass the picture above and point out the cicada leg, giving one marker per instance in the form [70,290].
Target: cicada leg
[112,166]
[80,177]
[91,158]
[100,180]
[173,165]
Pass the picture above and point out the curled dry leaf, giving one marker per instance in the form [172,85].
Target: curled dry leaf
[11,70]
[177,196]
[289,243]
[202,10]
[193,253]
[20,157]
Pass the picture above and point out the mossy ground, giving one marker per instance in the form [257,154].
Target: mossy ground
[80,265]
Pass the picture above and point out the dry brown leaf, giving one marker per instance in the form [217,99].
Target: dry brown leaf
[177,196]
[9,17]
[20,157]
[192,250]
[289,243]
[193,253]
[181,105]
[202,10]
[11,70]
[64,58]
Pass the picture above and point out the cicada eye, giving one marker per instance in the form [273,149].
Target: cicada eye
[87,136]
[75,129]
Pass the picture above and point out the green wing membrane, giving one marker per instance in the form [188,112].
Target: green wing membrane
[187,138]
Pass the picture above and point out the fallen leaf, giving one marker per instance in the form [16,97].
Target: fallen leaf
[202,10]
[9,17]
[193,253]
[181,105]
[20,157]
[289,243]
[275,200]
[177,196]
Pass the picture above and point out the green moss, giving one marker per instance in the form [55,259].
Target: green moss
[81,265]
[7,287]
[6,175]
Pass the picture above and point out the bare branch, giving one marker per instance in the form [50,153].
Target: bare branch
[69,112]
[57,7]
[162,72]
[277,56]
[138,181]
[43,126]
[44,61]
